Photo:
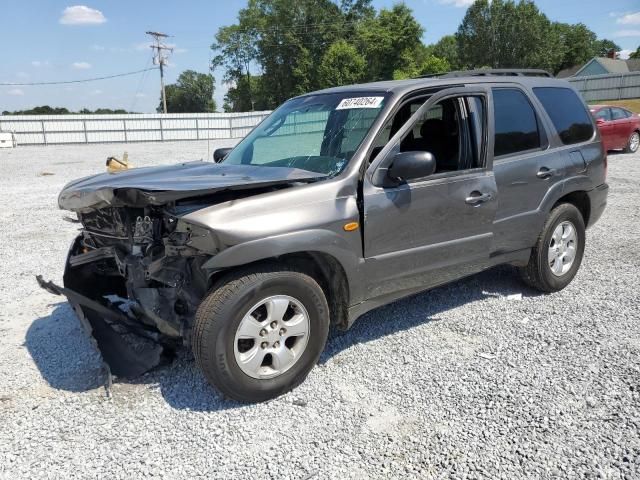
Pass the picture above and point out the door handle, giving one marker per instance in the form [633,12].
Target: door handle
[478,198]
[545,172]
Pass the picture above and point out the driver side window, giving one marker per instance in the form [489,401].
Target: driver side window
[437,131]
[451,130]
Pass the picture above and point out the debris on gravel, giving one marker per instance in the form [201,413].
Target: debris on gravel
[482,378]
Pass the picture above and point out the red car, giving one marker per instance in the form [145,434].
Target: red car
[619,128]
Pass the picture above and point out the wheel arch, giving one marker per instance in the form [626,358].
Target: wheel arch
[579,199]
[321,266]
[334,266]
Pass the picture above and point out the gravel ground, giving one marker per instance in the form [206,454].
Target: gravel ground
[480,379]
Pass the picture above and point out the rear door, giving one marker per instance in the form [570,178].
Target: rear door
[430,230]
[524,167]
[550,138]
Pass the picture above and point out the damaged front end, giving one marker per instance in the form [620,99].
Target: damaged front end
[135,273]
[134,278]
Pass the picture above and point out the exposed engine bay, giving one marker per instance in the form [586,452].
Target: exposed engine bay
[134,275]
[144,265]
[145,256]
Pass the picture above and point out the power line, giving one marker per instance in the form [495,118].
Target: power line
[140,84]
[95,79]
[294,28]
[297,30]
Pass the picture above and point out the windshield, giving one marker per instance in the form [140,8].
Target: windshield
[319,133]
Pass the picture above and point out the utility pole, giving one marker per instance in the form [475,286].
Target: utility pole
[161,60]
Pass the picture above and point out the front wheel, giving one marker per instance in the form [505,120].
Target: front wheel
[633,143]
[261,332]
[557,254]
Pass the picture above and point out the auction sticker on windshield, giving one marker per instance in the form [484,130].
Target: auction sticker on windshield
[360,102]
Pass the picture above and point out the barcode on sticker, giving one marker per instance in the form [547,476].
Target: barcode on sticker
[360,102]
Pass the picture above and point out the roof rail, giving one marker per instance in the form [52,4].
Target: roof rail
[507,72]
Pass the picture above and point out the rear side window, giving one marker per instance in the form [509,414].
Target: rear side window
[567,112]
[618,114]
[516,125]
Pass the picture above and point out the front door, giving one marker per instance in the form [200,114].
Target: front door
[422,232]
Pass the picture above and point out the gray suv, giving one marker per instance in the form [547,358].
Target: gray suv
[340,201]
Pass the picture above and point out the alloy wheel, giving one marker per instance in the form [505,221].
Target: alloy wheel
[562,248]
[271,337]
[634,142]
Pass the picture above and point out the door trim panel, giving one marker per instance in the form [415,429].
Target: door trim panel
[422,249]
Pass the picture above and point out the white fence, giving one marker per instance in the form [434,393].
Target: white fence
[615,86]
[60,129]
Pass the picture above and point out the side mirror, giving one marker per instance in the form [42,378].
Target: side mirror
[409,165]
[600,121]
[220,153]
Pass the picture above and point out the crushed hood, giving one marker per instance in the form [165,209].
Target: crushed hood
[140,187]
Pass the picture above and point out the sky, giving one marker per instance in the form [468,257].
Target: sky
[52,40]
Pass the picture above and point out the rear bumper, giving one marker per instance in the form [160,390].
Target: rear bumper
[598,202]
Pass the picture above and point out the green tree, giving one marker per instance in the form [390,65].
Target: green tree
[237,49]
[602,47]
[243,96]
[47,110]
[421,62]
[505,34]
[293,36]
[295,46]
[192,93]
[387,40]
[433,64]
[281,48]
[635,54]
[356,10]
[42,110]
[447,49]
[510,34]
[341,65]
[577,44]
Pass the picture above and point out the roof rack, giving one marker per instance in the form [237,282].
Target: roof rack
[507,72]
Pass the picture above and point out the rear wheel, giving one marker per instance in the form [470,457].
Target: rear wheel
[261,332]
[633,143]
[557,254]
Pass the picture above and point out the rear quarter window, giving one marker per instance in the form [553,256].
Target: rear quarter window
[567,112]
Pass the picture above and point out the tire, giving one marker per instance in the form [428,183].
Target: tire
[539,273]
[217,348]
[633,143]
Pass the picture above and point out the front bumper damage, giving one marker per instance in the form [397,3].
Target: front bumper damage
[108,328]
[137,272]
[133,278]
